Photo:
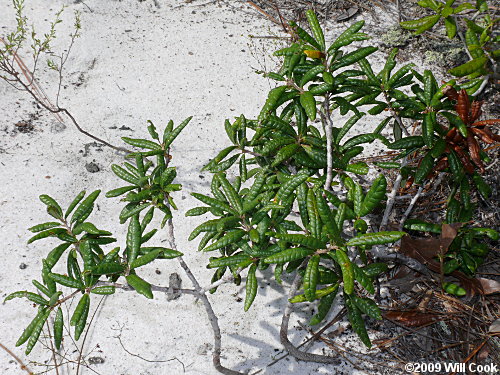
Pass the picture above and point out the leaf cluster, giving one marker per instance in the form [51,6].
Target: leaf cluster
[88,268]
[478,32]
[297,203]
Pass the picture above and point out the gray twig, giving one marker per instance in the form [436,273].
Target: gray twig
[395,114]
[214,322]
[392,197]
[154,288]
[223,280]
[410,207]
[329,144]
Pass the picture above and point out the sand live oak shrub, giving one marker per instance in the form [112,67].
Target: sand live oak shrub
[286,194]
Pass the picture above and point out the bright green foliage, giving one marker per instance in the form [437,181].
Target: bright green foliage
[480,39]
[357,323]
[251,287]
[288,150]
[83,245]
[311,278]
[347,269]
[278,163]
[454,289]
[58,328]
[140,285]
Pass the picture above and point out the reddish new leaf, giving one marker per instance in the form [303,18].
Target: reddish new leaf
[489,133]
[464,158]
[450,92]
[441,165]
[476,110]
[474,151]
[483,135]
[448,234]
[463,106]
[451,134]
[486,122]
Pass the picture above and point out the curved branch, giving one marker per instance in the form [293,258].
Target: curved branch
[298,354]
[31,88]
[214,322]
[154,288]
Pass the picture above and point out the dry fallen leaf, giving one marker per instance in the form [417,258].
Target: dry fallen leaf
[489,286]
[347,14]
[425,250]
[495,327]
[412,318]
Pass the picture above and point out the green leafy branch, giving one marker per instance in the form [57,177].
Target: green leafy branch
[297,203]
[479,38]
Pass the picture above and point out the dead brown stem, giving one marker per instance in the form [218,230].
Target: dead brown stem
[18,360]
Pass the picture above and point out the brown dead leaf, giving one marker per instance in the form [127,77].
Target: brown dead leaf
[489,286]
[412,318]
[495,327]
[425,301]
[425,250]
[347,14]
[448,234]
[422,249]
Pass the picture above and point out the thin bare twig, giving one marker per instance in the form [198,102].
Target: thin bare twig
[86,334]
[154,288]
[35,90]
[262,11]
[410,207]
[392,197]
[223,280]
[18,360]
[32,82]
[214,322]
[145,359]
[52,349]
[486,79]
[395,114]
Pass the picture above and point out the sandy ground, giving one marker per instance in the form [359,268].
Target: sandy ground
[136,62]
